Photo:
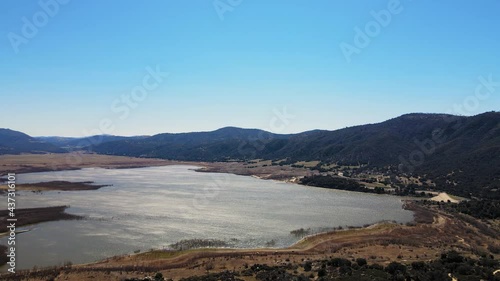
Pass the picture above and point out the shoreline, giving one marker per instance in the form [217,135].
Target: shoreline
[291,175]
[305,243]
[430,232]
[46,186]
[201,167]
[59,162]
[380,243]
[32,216]
[38,163]
[57,186]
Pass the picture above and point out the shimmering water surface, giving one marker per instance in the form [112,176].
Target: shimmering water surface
[156,206]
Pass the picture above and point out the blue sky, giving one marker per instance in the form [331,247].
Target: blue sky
[260,57]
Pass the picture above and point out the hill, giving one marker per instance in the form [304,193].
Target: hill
[451,150]
[457,153]
[219,145]
[389,143]
[375,144]
[13,142]
[77,143]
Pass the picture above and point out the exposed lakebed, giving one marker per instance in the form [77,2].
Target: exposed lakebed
[155,207]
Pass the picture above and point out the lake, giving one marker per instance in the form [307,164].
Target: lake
[154,207]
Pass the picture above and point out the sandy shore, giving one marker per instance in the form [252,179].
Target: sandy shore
[444,197]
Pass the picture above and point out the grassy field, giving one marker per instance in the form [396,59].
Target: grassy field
[25,163]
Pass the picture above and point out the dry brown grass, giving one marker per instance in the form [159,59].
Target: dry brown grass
[282,173]
[56,162]
[25,163]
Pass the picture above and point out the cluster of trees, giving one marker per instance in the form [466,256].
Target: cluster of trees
[300,232]
[198,243]
[450,264]
[222,276]
[481,209]
[338,183]
[480,185]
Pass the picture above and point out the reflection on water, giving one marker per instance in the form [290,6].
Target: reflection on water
[154,207]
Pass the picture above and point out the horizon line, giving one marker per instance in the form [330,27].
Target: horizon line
[243,128]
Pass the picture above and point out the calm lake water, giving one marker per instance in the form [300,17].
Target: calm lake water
[154,207]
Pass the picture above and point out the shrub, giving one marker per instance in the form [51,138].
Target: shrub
[494,249]
[321,273]
[418,265]
[159,277]
[395,267]
[308,266]
[361,261]
[339,262]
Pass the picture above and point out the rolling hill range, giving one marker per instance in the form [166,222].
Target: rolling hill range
[78,143]
[220,145]
[451,150]
[13,142]
[382,144]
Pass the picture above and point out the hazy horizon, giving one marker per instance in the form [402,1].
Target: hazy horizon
[211,130]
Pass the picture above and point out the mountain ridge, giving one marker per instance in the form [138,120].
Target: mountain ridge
[452,150]
[14,142]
